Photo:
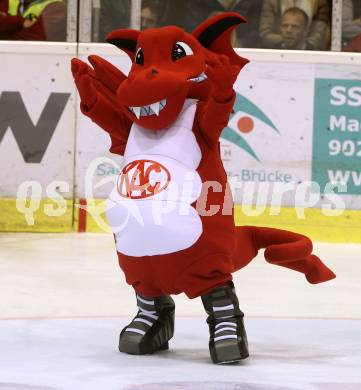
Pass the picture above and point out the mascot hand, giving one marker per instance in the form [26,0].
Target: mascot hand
[83,76]
[222,75]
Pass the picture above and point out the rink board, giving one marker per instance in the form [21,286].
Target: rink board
[45,216]
[277,141]
[312,222]
[75,216]
[37,127]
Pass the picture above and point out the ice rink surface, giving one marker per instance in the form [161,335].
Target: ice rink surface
[63,302]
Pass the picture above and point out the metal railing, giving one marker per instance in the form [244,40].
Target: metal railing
[72,21]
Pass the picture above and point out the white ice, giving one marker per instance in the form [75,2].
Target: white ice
[63,302]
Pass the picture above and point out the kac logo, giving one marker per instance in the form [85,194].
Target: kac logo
[142,179]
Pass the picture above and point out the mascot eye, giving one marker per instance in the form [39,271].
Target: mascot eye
[180,50]
[139,57]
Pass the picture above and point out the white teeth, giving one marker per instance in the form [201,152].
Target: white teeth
[162,103]
[155,108]
[199,78]
[136,111]
[152,109]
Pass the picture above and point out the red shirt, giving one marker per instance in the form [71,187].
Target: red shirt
[355,44]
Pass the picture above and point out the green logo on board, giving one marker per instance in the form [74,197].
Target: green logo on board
[246,124]
[336,154]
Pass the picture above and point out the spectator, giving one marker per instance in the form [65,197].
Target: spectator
[114,14]
[351,21]
[355,44]
[294,27]
[149,16]
[246,34]
[33,20]
[319,15]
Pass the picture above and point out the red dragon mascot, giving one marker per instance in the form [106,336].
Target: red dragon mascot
[171,210]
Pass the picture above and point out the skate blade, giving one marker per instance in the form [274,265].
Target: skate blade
[164,347]
[233,361]
[136,349]
[229,353]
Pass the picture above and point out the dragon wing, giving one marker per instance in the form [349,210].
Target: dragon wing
[215,35]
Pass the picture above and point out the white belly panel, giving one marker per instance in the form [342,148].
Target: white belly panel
[146,228]
[146,222]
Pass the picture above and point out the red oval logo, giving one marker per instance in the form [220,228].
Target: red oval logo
[142,179]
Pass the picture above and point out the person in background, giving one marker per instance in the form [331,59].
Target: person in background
[294,26]
[197,11]
[318,29]
[351,25]
[29,20]
[149,16]
[354,45]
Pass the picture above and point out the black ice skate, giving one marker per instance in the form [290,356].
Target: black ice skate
[152,327]
[228,339]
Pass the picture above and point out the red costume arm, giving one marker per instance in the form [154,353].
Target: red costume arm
[103,113]
[214,114]
[213,117]
[97,95]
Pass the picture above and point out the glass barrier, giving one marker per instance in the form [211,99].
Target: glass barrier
[110,15]
[273,24]
[33,20]
[351,25]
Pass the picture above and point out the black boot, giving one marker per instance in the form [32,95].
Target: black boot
[151,328]
[228,339]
